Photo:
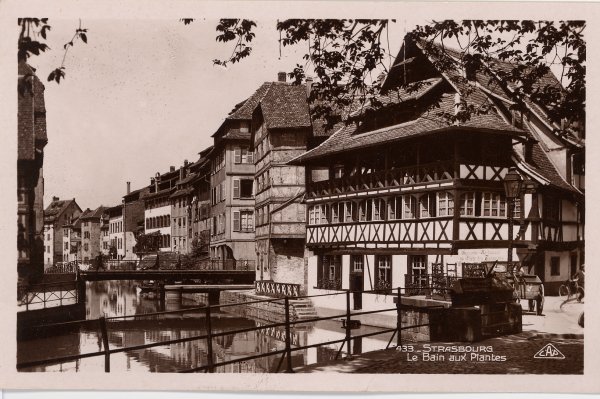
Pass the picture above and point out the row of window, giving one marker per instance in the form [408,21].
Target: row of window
[158,222]
[117,243]
[262,181]
[242,155]
[329,270]
[217,224]
[181,202]
[158,203]
[116,227]
[218,194]
[408,206]
[243,221]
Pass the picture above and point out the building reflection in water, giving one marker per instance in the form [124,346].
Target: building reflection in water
[121,298]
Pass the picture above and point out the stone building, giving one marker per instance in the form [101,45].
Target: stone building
[281,127]
[31,140]
[231,182]
[157,206]
[56,215]
[200,211]
[133,218]
[181,210]
[72,240]
[400,196]
[116,235]
[91,234]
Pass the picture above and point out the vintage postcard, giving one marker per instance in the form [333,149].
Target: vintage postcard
[312,196]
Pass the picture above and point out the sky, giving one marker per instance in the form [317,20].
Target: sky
[143,95]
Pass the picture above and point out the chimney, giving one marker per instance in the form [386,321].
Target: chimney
[281,76]
[309,82]
[181,173]
[128,187]
[172,168]
[55,199]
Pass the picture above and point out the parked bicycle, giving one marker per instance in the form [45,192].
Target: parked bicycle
[571,288]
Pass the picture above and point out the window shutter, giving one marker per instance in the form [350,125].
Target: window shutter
[236,221]
[250,157]
[237,155]
[236,188]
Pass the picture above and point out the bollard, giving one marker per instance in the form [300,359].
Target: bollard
[209,347]
[399,318]
[288,339]
[104,332]
[348,323]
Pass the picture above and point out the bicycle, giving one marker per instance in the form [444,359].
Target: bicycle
[569,288]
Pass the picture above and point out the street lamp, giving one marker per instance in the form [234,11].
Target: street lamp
[512,188]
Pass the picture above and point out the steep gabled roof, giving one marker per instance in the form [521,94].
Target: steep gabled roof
[56,208]
[285,106]
[244,111]
[95,214]
[346,138]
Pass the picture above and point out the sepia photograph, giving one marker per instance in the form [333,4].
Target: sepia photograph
[309,196]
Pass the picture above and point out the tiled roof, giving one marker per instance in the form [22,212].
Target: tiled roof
[345,138]
[161,193]
[244,111]
[31,114]
[237,134]
[399,95]
[55,209]
[541,164]
[95,214]
[182,192]
[285,106]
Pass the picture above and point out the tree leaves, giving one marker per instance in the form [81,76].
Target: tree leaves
[56,75]
[235,29]
[516,56]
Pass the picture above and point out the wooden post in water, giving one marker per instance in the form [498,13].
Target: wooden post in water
[348,322]
[209,347]
[104,332]
[399,318]
[288,337]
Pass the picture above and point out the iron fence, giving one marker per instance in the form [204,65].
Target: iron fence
[429,285]
[48,295]
[210,335]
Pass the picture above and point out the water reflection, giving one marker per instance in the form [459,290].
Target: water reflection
[121,298]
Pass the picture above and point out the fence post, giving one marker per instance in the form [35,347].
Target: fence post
[288,336]
[399,318]
[348,331]
[209,347]
[104,332]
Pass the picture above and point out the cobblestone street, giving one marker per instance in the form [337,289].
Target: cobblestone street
[512,354]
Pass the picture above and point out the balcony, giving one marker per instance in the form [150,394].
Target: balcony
[394,177]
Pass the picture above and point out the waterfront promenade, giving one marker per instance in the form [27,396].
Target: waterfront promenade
[512,354]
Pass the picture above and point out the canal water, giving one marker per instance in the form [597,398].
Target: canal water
[121,298]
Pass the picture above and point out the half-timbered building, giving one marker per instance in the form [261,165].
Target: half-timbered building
[281,127]
[401,194]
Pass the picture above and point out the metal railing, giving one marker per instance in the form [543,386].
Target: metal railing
[428,284]
[210,335]
[277,290]
[62,267]
[47,294]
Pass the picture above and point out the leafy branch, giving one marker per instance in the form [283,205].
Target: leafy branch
[59,72]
